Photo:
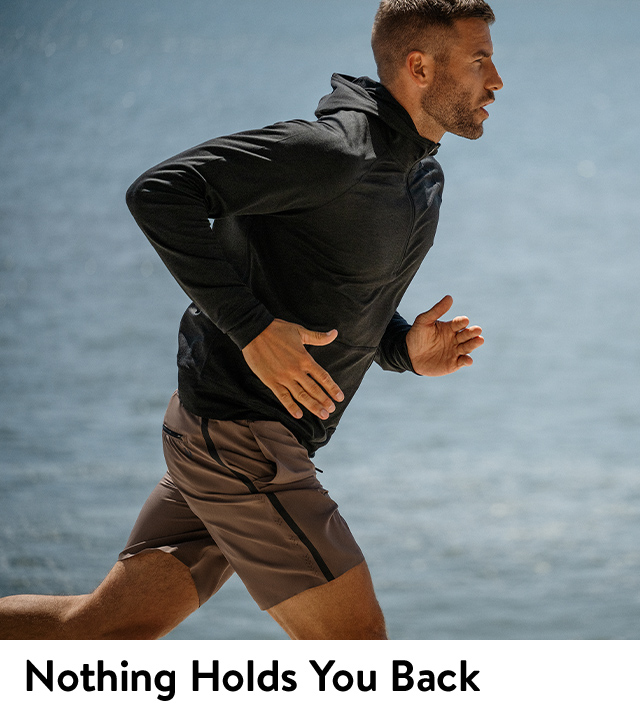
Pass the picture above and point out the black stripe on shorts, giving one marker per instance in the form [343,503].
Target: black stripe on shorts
[276,503]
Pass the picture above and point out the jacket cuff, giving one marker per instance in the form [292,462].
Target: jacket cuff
[253,324]
[393,354]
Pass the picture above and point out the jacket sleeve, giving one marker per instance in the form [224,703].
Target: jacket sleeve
[288,166]
[392,353]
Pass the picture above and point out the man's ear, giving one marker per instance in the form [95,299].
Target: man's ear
[420,68]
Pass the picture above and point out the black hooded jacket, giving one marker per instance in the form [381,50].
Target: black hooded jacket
[321,223]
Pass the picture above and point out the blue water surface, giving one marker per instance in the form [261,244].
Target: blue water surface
[502,502]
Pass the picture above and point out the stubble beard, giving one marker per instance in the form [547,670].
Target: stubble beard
[452,107]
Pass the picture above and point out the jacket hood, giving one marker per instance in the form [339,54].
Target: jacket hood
[369,96]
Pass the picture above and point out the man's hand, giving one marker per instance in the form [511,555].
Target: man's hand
[278,358]
[437,348]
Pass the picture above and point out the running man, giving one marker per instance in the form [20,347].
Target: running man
[318,229]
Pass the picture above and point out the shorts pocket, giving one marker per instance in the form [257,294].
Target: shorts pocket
[174,441]
[171,433]
[290,460]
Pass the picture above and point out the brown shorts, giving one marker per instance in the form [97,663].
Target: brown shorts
[243,496]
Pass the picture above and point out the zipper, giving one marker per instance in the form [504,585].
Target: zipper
[170,432]
[413,214]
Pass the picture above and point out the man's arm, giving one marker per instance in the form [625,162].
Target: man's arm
[253,173]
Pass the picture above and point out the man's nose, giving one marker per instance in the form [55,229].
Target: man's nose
[494,81]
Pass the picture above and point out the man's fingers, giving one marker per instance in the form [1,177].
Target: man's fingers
[319,375]
[306,391]
[469,334]
[313,399]
[301,395]
[307,394]
[459,323]
[471,345]
[283,395]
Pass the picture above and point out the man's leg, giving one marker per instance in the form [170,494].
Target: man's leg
[253,486]
[343,609]
[143,597]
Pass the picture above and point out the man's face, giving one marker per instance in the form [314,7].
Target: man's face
[464,81]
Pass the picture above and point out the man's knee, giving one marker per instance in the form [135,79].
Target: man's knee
[142,598]
[98,619]
[368,625]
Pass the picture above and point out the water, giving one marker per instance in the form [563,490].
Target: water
[502,502]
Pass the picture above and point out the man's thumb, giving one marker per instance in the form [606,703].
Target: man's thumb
[436,311]
[318,338]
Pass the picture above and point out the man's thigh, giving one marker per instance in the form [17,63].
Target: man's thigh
[255,490]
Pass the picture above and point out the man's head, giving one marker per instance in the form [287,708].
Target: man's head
[402,26]
[435,57]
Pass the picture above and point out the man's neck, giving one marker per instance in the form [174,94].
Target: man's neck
[425,125]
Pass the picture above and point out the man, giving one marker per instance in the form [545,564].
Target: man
[318,229]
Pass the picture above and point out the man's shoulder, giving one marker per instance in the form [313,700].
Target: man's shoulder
[345,133]
[339,146]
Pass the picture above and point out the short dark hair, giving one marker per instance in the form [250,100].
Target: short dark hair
[402,26]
